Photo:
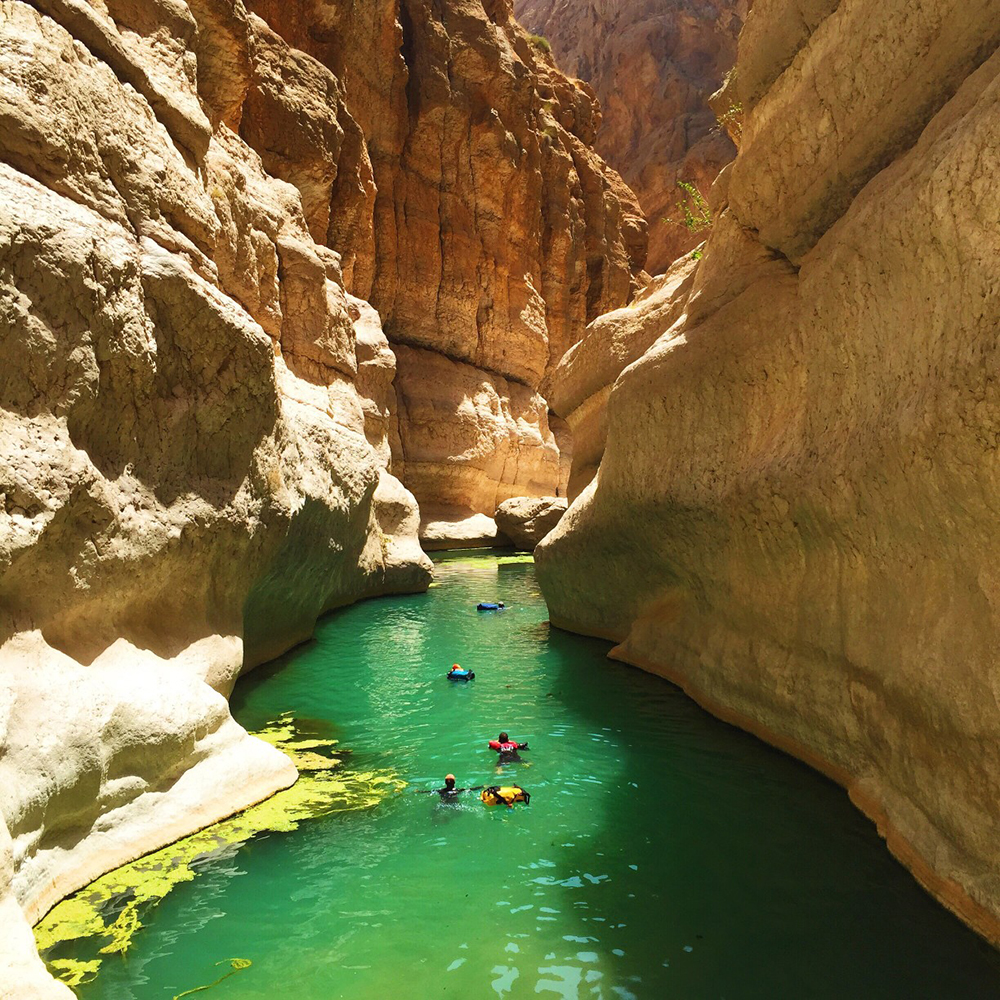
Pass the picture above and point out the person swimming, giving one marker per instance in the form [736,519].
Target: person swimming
[507,749]
[450,793]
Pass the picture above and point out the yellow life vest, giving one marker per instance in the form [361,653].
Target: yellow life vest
[507,794]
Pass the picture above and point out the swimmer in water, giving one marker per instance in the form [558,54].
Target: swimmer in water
[450,793]
[507,749]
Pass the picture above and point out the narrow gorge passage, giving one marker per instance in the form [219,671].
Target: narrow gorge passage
[663,854]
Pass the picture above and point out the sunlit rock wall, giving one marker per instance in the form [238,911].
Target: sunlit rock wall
[496,234]
[794,516]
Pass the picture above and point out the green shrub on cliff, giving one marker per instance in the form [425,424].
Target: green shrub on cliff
[540,42]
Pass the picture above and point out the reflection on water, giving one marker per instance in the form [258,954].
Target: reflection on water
[663,855]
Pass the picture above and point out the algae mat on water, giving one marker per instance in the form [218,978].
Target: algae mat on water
[109,911]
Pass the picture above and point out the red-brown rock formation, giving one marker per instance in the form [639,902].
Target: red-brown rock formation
[653,64]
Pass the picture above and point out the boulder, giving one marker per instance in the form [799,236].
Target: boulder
[527,520]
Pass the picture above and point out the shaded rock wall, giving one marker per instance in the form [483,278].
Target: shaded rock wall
[794,514]
[470,441]
[653,65]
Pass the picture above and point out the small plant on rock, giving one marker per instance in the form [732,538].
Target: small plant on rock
[732,121]
[540,42]
[694,214]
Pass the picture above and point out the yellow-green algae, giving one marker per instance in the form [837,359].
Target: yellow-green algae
[237,965]
[489,559]
[110,910]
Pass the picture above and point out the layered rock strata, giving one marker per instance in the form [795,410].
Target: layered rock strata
[496,233]
[653,64]
[794,513]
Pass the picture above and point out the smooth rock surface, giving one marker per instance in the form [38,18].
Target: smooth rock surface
[794,516]
[452,527]
[468,439]
[527,520]
[579,386]
[194,422]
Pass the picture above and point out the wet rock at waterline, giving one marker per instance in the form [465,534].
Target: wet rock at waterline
[794,516]
[527,520]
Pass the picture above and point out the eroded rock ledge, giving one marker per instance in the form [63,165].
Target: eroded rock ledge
[204,208]
[794,516]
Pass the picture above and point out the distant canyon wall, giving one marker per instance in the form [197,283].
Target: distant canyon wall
[794,513]
[495,233]
[653,64]
[204,424]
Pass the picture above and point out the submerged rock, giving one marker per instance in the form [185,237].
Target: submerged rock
[527,520]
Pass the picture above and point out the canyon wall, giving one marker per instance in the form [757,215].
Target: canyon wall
[202,204]
[496,234]
[794,516]
[653,64]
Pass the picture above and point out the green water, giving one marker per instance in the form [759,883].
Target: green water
[663,855]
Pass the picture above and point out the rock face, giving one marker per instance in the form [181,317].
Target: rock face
[469,441]
[794,514]
[205,205]
[579,387]
[653,64]
[496,232]
[526,520]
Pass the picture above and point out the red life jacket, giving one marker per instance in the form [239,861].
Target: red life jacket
[509,747]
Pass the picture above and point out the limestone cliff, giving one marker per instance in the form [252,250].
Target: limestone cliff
[794,517]
[495,234]
[653,64]
[205,206]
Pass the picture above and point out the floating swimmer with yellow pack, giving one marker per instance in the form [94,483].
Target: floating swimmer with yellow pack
[492,795]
